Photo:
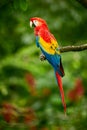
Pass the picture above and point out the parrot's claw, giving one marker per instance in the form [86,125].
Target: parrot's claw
[42,57]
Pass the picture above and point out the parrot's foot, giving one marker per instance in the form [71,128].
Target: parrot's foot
[42,57]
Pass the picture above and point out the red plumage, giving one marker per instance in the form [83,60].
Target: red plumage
[59,81]
[46,35]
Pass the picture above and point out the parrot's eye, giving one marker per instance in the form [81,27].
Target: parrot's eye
[35,23]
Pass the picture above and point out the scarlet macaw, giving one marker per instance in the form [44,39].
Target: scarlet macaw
[50,48]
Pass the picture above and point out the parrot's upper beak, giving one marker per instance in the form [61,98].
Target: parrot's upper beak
[32,24]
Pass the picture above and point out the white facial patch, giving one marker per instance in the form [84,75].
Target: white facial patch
[35,22]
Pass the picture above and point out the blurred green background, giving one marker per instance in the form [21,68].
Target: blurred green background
[29,95]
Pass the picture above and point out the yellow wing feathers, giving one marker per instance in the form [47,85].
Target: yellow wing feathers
[51,48]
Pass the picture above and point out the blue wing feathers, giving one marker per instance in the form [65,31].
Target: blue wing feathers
[55,61]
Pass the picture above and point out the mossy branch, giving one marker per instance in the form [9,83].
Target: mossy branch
[73,48]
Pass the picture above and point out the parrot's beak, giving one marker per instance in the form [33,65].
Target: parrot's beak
[32,24]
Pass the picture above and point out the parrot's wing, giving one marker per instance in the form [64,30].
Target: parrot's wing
[61,68]
[48,42]
[50,49]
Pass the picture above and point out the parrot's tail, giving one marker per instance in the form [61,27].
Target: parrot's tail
[59,81]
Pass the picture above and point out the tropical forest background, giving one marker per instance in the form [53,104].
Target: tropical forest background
[29,95]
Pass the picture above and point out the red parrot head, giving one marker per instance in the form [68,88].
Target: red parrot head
[37,22]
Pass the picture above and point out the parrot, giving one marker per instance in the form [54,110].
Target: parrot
[49,47]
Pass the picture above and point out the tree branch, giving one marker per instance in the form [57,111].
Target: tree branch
[68,49]
[73,48]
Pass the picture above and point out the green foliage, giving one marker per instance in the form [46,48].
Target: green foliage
[21,4]
[29,84]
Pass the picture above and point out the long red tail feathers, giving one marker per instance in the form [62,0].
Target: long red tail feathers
[59,81]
